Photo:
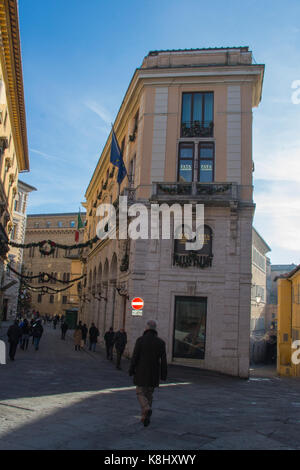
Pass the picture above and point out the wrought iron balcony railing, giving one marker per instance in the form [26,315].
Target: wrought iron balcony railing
[197,129]
[217,192]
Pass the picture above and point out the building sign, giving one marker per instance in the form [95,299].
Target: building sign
[200,258]
[137,303]
[137,313]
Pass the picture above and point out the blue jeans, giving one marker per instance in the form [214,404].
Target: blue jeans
[36,342]
[92,346]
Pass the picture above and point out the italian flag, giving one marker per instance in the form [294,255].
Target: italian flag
[79,226]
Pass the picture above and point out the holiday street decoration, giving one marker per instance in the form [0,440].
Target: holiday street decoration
[46,289]
[44,277]
[47,247]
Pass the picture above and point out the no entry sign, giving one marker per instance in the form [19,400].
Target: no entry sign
[137,303]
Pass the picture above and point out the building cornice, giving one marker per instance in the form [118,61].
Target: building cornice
[11,56]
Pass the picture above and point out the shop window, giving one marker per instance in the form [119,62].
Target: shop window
[190,327]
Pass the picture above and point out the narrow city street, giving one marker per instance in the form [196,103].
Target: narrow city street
[57,398]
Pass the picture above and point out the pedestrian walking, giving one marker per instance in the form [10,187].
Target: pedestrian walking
[64,328]
[37,332]
[109,338]
[84,332]
[25,335]
[148,365]
[120,342]
[77,338]
[14,334]
[93,333]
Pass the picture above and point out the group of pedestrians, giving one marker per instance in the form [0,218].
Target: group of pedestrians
[20,332]
[148,363]
[112,339]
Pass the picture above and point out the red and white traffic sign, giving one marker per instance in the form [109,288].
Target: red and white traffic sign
[137,303]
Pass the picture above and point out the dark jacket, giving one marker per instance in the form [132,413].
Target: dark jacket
[109,338]
[64,327]
[120,341]
[26,328]
[37,330]
[94,333]
[149,361]
[14,333]
[84,331]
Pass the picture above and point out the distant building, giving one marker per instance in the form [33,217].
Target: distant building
[259,283]
[275,271]
[15,256]
[59,228]
[288,323]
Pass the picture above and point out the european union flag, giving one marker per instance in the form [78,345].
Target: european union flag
[116,158]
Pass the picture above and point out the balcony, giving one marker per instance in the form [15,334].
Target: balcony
[209,193]
[197,129]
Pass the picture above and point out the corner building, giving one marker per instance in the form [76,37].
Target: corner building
[185,130]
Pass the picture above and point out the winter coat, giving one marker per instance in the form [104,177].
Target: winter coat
[148,362]
[37,330]
[109,338]
[26,328]
[84,332]
[64,327]
[14,333]
[77,337]
[120,341]
[94,333]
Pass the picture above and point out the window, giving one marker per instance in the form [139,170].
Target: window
[72,223]
[206,162]
[14,232]
[51,299]
[60,224]
[31,252]
[190,327]
[48,224]
[24,203]
[66,277]
[39,298]
[36,225]
[132,171]
[64,299]
[258,259]
[197,114]
[186,163]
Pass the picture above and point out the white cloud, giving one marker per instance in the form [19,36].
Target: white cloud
[280,165]
[277,211]
[100,111]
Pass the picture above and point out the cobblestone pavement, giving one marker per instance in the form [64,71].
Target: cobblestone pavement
[58,398]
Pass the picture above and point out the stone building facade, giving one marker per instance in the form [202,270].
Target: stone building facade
[13,134]
[185,131]
[59,228]
[15,255]
[259,284]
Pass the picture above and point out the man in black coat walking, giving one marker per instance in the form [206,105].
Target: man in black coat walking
[64,328]
[94,333]
[120,342]
[14,334]
[109,338]
[148,365]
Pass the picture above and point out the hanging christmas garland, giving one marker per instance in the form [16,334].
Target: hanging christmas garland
[47,247]
[46,289]
[44,277]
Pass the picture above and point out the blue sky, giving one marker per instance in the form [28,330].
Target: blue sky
[78,59]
